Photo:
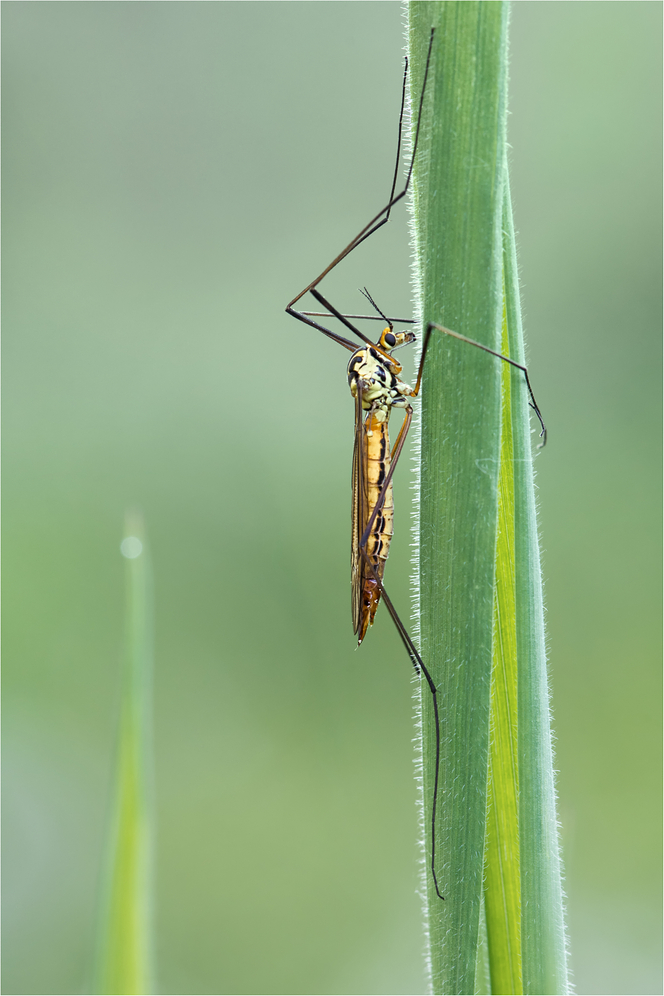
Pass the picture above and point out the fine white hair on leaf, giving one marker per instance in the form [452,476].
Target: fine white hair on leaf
[416,434]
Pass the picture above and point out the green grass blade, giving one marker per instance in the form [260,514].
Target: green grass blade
[502,873]
[125,942]
[458,214]
[543,934]
[479,587]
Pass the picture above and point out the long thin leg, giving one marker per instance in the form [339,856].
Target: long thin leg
[332,313]
[420,667]
[379,316]
[416,660]
[398,155]
[393,200]
[378,220]
[301,317]
[368,318]
[337,314]
[519,366]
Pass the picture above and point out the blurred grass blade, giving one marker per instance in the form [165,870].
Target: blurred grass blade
[478,582]
[125,942]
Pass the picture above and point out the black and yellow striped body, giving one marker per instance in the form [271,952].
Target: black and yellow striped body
[376,457]
[373,376]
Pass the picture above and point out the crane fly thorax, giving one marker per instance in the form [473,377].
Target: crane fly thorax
[382,388]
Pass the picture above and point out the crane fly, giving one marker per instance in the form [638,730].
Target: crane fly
[376,386]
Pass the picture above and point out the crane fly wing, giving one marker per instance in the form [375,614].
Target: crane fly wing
[359,515]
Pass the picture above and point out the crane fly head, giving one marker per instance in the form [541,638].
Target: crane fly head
[390,339]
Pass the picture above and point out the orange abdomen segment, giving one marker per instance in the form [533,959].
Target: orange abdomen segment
[377,454]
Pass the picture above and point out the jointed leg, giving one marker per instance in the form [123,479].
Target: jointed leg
[321,328]
[337,314]
[379,220]
[416,660]
[420,667]
[366,318]
[457,335]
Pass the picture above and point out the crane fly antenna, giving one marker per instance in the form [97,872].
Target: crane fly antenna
[374,305]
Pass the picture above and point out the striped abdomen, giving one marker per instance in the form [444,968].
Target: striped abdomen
[376,466]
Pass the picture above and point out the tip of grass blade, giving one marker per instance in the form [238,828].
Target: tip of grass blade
[124,960]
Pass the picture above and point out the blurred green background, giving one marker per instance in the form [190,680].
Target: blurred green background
[173,174]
